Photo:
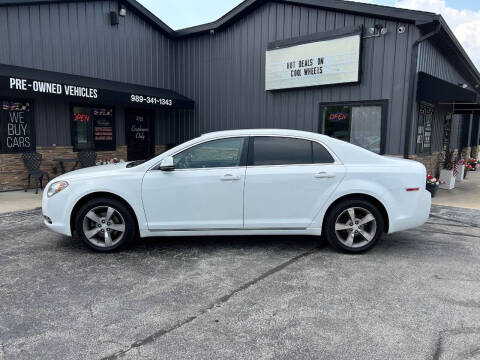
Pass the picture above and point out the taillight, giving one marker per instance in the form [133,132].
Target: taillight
[413,189]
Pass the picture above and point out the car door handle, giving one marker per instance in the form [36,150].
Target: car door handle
[230,177]
[324,175]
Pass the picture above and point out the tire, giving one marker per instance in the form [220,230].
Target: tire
[339,227]
[105,225]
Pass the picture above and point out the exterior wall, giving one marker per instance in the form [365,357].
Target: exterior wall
[432,162]
[225,74]
[76,37]
[13,174]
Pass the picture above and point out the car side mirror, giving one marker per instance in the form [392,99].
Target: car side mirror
[167,164]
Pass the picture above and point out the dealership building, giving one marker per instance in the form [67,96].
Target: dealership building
[110,77]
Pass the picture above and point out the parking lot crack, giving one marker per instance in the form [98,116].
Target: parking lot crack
[452,332]
[217,303]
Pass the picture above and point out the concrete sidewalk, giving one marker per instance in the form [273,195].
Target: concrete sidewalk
[465,195]
[11,201]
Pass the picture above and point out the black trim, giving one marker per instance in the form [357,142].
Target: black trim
[72,132]
[251,151]
[320,36]
[434,90]
[245,150]
[384,103]
[329,35]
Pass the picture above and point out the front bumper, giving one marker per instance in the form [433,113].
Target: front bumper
[56,211]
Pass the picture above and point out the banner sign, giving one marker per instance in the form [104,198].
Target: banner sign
[325,62]
[123,93]
[52,88]
[17,132]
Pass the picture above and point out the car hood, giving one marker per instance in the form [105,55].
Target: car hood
[94,171]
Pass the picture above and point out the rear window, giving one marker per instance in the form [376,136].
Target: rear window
[271,150]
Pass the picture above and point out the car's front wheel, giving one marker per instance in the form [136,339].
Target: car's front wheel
[354,225]
[105,224]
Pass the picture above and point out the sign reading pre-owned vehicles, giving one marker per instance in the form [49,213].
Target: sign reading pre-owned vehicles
[325,62]
[29,86]
[16,131]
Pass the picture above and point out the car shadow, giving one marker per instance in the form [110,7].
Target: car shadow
[208,243]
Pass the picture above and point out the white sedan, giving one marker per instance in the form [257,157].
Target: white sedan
[243,182]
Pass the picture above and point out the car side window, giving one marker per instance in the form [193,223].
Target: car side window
[269,150]
[212,154]
[321,155]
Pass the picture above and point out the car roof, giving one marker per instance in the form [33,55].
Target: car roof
[260,132]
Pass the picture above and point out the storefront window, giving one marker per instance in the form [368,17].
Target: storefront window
[17,131]
[424,129]
[446,132]
[360,124]
[93,128]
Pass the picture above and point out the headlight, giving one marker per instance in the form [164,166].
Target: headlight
[55,188]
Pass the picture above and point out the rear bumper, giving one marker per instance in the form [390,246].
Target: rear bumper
[414,212]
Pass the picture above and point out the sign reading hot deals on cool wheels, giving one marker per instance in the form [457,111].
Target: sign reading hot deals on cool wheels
[325,62]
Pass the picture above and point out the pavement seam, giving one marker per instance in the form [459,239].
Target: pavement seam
[452,332]
[454,220]
[220,301]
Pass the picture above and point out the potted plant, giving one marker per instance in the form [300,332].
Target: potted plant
[432,185]
[460,170]
[108,161]
[447,177]
[473,163]
[468,168]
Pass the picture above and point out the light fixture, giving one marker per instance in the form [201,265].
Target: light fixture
[463,85]
[376,31]
[122,11]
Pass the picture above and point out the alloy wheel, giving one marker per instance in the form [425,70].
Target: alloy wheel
[355,227]
[104,226]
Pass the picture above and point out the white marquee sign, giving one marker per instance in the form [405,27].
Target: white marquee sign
[326,62]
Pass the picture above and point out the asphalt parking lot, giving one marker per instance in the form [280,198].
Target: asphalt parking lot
[415,296]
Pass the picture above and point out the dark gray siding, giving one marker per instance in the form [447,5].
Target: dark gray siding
[434,62]
[77,38]
[225,74]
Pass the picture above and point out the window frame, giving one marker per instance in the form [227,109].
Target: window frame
[114,127]
[384,103]
[34,127]
[250,159]
[243,156]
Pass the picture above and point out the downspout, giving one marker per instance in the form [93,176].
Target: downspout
[413,83]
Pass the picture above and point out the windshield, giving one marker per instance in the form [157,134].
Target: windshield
[139,162]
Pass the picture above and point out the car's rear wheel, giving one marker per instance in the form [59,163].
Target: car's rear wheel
[354,226]
[105,224]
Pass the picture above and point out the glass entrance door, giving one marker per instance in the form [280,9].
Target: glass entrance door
[140,134]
